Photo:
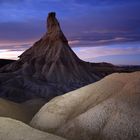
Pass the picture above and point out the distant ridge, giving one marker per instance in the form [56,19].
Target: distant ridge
[4,62]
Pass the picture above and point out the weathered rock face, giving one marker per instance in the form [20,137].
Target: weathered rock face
[47,69]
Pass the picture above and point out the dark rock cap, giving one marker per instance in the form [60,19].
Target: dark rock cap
[52,14]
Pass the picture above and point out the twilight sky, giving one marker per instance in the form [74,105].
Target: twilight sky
[97,30]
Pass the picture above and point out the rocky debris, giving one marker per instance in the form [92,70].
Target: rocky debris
[15,130]
[105,110]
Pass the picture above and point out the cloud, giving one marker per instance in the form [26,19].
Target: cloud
[10,1]
[21,31]
[11,50]
[105,24]
[8,54]
[105,2]
[85,22]
[90,53]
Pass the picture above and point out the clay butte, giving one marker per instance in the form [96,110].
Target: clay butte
[49,68]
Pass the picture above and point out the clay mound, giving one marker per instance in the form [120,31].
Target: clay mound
[15,130]
[108,109]
[23,112]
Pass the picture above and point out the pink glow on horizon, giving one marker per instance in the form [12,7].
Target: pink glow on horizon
[8,54]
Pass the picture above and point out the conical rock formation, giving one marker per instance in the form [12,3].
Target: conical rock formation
[52,59]
[47,69]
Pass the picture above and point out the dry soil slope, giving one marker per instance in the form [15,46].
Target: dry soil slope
[108,109]
[15,130]
[23,112]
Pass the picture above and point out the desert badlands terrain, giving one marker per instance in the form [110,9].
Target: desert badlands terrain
[106,110]
[51,94]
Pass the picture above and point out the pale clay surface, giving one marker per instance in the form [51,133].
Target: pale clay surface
[106,110]
[15,130]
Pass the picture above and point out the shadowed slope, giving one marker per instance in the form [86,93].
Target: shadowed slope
[23,112]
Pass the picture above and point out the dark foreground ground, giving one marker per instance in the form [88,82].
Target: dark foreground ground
[5,62]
